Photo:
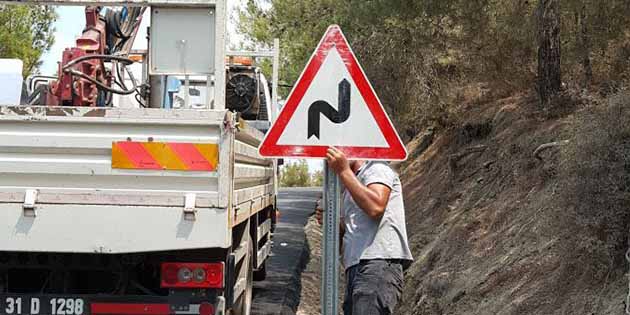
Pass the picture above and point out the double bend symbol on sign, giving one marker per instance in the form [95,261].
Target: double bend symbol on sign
[322,107]
[333,104]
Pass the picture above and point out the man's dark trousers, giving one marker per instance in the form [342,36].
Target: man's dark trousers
[374,287]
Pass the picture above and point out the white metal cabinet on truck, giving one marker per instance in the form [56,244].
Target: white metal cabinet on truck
[142,211]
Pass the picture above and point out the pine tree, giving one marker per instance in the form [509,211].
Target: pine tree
[26,32]
[549,50]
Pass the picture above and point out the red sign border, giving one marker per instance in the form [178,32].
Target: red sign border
[334,38]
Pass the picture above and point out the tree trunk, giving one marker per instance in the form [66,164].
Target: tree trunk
[585,49]
[549,74]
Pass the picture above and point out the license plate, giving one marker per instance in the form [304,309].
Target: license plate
[28,305]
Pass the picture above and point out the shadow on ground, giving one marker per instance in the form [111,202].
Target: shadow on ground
[280,292]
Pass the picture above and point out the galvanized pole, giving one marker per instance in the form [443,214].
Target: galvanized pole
[274,80]
[330,245]
[219,60]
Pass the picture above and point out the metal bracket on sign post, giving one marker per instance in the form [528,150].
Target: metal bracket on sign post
[190,207]
[30,198]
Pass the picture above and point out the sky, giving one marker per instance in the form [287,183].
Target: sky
[72,20]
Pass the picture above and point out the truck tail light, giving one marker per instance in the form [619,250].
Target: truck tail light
[206,309]
[192,275]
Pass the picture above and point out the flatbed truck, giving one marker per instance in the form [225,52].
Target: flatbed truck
[143,211]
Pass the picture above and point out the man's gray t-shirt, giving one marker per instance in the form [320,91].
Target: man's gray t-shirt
[366,238]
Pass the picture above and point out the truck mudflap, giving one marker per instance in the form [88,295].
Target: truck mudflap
[18,304]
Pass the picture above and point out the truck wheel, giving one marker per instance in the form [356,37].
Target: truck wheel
[243,304]
[261,274]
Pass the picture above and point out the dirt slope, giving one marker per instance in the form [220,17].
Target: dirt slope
[311,275]
[490,227]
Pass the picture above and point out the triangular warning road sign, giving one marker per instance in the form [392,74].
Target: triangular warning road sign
[333,104]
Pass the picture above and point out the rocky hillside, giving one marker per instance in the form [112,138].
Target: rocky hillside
[497,229]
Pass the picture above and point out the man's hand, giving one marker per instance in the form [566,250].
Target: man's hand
[337,161]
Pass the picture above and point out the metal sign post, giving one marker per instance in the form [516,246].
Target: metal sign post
[330,246]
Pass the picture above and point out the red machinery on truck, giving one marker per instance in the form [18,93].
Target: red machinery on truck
[83,78]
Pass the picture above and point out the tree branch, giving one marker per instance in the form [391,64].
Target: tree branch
[547,146]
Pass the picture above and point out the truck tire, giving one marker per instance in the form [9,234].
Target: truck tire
[243,305]
[261,274]
[262,112]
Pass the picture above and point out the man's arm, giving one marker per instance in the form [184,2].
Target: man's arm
[372,198]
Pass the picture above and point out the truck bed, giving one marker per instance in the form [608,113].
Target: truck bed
[61,190]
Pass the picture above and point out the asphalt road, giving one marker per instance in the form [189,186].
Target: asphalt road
[279,294]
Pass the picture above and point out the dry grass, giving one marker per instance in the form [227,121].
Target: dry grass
[595,172]
[510,234]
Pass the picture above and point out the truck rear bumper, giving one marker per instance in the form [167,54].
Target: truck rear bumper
[217,308]
[15,304]
[110,229]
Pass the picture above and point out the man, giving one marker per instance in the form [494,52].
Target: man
[375,247]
